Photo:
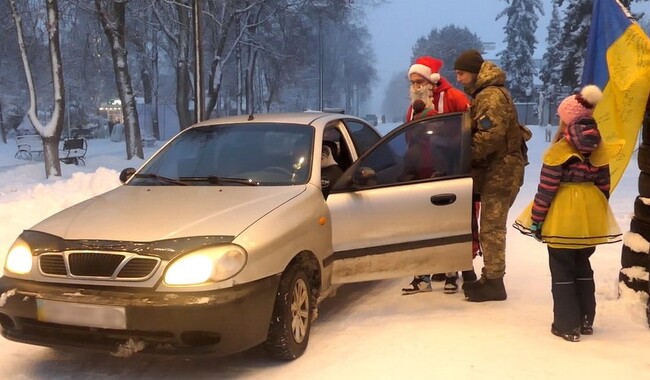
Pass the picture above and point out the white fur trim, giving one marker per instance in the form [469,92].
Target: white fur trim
[435,77]
[326,157]
[592,94]
[423,70]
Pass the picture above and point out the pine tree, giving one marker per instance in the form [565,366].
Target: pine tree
[575,33]
[517,58]
[446,44]
[551,71]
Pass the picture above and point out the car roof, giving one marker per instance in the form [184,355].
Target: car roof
[303,118]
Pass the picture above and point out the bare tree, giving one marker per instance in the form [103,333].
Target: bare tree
[174,18]
[50,132]
[112,14]
[87,59]
[231,21]
[144,39]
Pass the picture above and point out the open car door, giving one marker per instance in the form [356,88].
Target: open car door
[405,206]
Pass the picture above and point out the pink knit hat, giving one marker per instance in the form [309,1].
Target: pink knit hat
[575,107]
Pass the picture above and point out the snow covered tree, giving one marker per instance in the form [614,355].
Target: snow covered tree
[575,33]
[551,71]
[347,57]
[517,57]
[112,14]
[145,38]
[175,19]
[445,44]
[50,132]
[86,59]
[10,75]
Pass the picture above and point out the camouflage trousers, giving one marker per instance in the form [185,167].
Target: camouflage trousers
[492,230]
[498,190]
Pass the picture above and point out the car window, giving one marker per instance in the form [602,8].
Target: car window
[333,136]
[257,153]
[432,148]
[363,136]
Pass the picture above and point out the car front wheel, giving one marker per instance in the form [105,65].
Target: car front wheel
[292,316]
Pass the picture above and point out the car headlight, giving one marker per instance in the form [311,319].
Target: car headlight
[216,263]
[19,258]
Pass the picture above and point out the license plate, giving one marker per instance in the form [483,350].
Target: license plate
[78,314]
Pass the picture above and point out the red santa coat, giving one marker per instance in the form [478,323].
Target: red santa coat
[447,98]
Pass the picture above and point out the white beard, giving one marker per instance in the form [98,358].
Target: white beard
[424,93]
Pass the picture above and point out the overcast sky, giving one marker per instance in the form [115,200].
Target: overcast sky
[396,25]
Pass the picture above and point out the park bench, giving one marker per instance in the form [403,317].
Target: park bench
[73,151]
[29,147]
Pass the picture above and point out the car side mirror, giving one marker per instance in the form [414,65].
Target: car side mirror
[126,174]
[364,177]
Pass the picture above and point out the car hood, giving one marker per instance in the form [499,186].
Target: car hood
[142,213]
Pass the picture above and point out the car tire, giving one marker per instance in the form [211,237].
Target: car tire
[292,315]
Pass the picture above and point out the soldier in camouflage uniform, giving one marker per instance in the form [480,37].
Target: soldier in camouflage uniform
[498,162]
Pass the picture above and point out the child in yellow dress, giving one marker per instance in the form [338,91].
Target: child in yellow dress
[571,213]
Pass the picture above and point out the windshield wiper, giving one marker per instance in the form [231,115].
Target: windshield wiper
[160,178]
[215,180]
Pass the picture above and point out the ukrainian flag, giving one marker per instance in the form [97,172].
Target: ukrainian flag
[618,61]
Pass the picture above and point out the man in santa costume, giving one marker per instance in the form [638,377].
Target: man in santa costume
[432,94]
[435,91]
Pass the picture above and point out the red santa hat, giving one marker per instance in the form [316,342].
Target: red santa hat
[428,67]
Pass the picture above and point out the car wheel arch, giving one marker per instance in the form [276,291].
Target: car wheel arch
[308,260]
[294,308]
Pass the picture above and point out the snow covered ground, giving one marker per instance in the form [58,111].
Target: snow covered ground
[369,330]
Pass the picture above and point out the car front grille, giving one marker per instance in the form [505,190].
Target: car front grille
[98,265]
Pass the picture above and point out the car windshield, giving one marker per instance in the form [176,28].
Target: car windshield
[251,154]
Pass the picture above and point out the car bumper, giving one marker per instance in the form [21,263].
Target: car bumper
[218,322]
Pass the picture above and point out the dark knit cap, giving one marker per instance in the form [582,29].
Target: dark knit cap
[470,61]
[584,135]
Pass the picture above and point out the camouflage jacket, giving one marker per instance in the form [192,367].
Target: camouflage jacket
[497,137]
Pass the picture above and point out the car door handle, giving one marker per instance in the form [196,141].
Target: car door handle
[443,199]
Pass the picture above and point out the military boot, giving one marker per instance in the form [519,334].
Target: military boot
[486,290]
[468,284]
[473,284]
[469,275]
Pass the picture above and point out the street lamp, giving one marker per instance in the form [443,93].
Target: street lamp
[320,7]
[198,62]
[320,62]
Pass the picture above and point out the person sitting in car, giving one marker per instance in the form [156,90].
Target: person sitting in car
[330,170]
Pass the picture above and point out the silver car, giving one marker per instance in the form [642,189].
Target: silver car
[232,233]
